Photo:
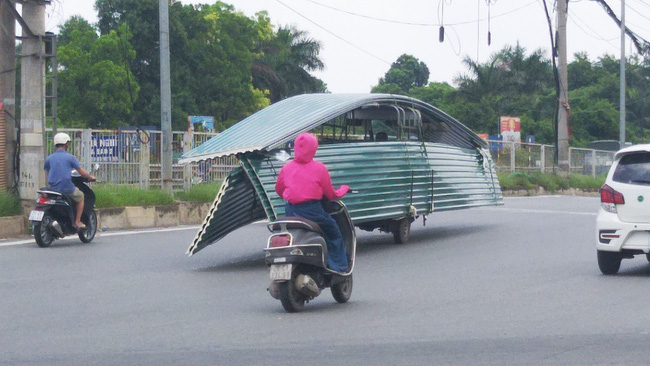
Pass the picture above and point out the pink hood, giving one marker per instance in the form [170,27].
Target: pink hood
[305,148]
[304,179]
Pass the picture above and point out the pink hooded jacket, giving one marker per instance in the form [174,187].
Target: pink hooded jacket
[304,179]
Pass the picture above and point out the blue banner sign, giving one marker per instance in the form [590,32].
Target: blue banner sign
[206,121]
[104,149]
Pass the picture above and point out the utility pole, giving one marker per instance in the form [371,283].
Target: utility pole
[32,106]
[563,108]
[7,93]
[165,97]
[622,79]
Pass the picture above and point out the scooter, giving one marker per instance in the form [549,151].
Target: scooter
[296,254]
[55,212]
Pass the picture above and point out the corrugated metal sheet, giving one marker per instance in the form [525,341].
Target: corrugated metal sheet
[236,205]
[284,120]
[389,178]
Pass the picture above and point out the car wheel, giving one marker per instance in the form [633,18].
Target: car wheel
[609,262]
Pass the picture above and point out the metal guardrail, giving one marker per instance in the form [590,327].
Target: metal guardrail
[130,157]
[528,157]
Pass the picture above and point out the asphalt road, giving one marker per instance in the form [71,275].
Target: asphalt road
[517,284]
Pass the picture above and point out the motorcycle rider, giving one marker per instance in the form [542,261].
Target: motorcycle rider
[302,183]
[58,167]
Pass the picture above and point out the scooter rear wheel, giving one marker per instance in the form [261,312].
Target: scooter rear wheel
[43,232]
[292,300]
[343,291]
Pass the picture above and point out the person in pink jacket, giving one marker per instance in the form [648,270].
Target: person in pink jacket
[303,182]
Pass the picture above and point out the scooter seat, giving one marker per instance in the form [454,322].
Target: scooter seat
[294,222]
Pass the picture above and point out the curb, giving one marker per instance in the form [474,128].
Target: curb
[115,218]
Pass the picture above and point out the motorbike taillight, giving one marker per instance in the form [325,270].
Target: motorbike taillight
[45,200]
[280,241]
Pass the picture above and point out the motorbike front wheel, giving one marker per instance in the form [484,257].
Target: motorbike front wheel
[343,291]
[88,234]
[43,232]
[292,300]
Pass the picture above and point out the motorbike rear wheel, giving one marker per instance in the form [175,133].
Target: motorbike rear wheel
[343,291]
[402,231]
[88,234]
[43,232]
[292,300]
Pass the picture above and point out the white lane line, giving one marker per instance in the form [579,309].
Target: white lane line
[527,210]
[104,234]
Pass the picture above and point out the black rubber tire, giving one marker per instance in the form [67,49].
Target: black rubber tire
[43,233]
[343,291]
[292,300]
[647,256]
[402,231]
[88,234]
[609,262]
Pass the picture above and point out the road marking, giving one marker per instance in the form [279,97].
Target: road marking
[527,210]
[105,234]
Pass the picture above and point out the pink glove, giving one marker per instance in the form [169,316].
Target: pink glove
[342,191]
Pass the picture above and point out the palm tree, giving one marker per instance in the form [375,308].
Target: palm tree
[285,62]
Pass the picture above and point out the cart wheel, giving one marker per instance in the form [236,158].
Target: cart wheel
[402,230]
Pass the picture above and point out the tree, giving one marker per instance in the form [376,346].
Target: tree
[96,88]
[405,73]
[284,62]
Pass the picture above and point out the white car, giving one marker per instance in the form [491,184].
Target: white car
[623,222]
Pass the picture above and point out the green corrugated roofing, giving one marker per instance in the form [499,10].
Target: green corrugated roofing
[284,120]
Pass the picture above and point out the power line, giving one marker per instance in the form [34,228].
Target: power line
[335,35]
[416,24]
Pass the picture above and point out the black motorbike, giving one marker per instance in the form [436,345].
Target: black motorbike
[296,255]
[55,212]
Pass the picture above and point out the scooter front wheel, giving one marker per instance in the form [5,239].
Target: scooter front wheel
[89,232]
[43,232]
[342,291]
[292,300]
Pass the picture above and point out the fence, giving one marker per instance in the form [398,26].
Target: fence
[133,157]
[527,157]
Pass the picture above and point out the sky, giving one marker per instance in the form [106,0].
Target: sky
[362,38]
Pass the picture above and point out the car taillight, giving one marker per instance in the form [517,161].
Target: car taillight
[280,241]
[609,198]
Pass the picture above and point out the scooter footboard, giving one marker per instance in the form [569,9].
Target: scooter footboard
[311,254]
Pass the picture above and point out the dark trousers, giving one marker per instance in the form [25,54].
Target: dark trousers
[313,210]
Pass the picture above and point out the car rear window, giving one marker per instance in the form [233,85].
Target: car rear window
[633,169]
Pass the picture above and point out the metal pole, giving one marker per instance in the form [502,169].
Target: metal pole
[8,88]
[165,97]
[622,79]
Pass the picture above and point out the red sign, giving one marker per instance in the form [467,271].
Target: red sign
[512,124]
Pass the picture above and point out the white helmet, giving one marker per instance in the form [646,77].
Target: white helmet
[61,138]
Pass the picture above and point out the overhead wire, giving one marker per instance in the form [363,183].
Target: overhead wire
[334,34]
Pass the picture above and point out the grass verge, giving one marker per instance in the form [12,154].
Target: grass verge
[119,196]
[9,204]
[550,182]
[204,192]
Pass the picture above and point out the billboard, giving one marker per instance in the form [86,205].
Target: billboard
[104,148]
[207,122]
[510,128]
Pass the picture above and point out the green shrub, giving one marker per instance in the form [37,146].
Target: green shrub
[9,204]
[119,196]
[204,192]
[550,182]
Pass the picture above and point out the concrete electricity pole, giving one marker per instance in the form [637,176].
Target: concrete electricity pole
[7,92]
[563,109]
[622,79]
[165,97]
[32,106]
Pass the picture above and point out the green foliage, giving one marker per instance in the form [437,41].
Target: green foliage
[205,192]
[550,182]
[9,204]
[405,73]
[119,196]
